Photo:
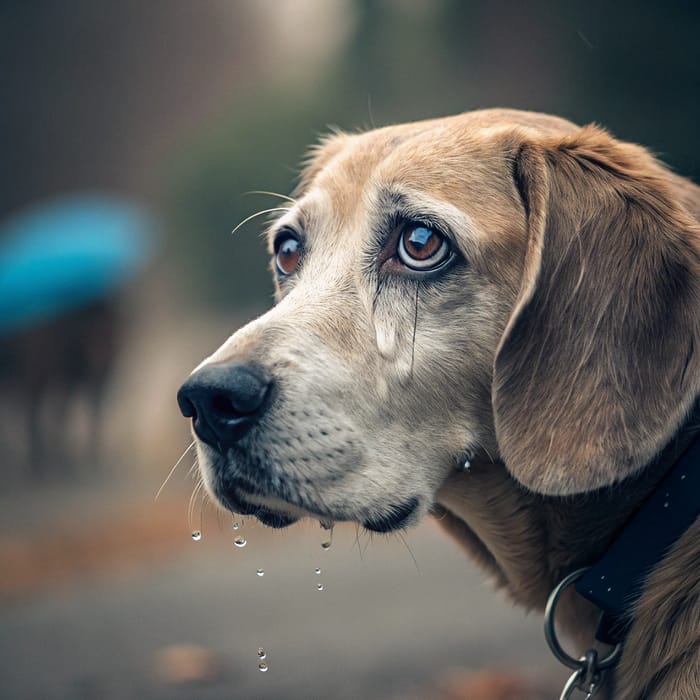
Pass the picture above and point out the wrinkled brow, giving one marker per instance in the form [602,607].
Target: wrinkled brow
[393,204]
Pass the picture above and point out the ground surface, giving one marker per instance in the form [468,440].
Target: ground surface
[101,586]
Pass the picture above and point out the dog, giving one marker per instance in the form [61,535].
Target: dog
[492,318]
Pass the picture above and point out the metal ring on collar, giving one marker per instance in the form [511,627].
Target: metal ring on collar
[551,636]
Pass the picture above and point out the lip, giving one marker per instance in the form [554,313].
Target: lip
[397,517]
[242,493]
[267,516]
[244,496]
[274,519]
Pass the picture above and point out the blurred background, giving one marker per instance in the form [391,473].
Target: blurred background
[131,134]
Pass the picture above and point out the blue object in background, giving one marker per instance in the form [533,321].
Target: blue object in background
[59,256]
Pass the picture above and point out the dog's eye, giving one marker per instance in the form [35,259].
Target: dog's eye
[287,253]
[422,248]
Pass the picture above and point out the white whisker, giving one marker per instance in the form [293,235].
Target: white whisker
[488,454]
[400,535]
[196,492]
[167,478]
[202,502]
[357,540]
[273,194]
[258,213]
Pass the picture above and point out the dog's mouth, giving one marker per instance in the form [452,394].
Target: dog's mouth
[267,516]
[241,499]
[397,517]
[244,496]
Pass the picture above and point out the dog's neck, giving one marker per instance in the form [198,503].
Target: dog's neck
[530,542]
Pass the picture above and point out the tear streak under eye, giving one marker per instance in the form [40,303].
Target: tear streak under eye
[392,333]
[377,292]
[415,326]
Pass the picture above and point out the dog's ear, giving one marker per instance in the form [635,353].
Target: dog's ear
[597,366]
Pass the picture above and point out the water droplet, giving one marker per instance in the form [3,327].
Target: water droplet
[602,578]
[240,542]
[196,535]
[666,504]
[260,572]
[326,524]
[609,589]
[262,667]
[319,586]
[235,525]
[682,477]
[325,545]
[262,653]
[317,570]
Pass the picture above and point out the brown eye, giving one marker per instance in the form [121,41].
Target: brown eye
[287,253]
[422,248]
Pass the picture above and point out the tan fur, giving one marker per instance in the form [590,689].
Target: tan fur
[559,353]
[592,377]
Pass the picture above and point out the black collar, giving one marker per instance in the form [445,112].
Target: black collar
[616,581]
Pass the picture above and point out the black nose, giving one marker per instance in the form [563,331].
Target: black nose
[224,401]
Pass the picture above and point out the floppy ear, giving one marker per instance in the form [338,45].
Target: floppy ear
[597,366]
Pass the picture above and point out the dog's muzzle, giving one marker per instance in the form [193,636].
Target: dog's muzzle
[224,402]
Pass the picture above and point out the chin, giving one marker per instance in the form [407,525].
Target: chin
[278,505]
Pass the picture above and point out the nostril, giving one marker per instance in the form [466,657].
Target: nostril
[223,406]
[224,402]
[244,394]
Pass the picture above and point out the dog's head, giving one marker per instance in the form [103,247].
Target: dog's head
[498,282]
